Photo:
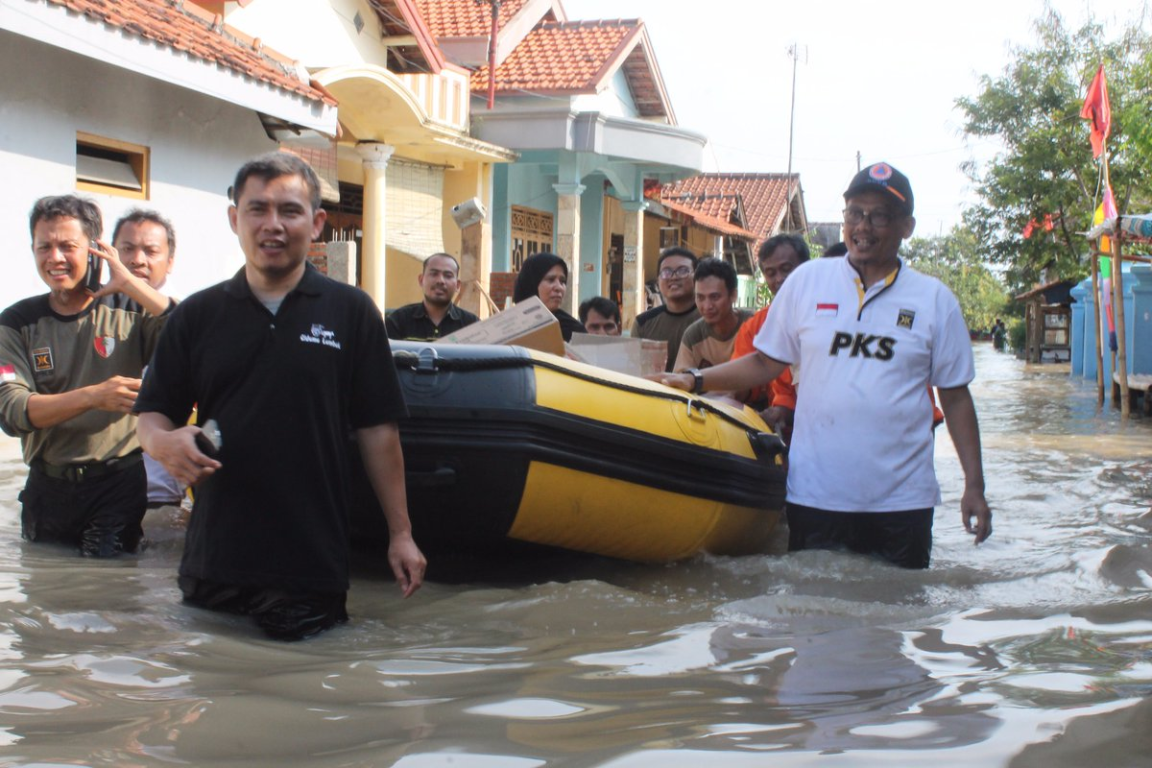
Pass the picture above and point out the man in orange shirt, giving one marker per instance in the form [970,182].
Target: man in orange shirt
[778,257]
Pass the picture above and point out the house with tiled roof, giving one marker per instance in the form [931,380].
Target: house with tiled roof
[716,226]
[585,106]
[141,103]
[769,204]
[404,154]
[179,93]
[772,202]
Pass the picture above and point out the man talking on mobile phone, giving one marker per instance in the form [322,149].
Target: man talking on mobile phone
[70,364]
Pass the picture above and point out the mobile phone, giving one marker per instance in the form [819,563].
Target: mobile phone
[95,266]
[208,439]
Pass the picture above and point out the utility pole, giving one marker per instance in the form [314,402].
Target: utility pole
[492,50]
[794,53]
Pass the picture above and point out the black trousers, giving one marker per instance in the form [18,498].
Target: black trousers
[902,538]
[282,615]
[101,515]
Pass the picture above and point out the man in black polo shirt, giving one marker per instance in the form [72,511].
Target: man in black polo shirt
[286,362]
[437,316]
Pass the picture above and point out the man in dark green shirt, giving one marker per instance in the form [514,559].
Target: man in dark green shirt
[70,363]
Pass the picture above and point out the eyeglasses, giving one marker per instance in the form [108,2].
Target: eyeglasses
[668,273]
[880,219]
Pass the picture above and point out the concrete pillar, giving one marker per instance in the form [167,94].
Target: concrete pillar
[372,277]
[634,299]
[475,180]
[718,246]
[568,239]
[342,261]
[473,274]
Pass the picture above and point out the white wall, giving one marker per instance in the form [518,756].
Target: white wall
[614,101]
[319,33]
[197,143]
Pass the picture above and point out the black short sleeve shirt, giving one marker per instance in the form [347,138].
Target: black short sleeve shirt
[411,322]
[286,391]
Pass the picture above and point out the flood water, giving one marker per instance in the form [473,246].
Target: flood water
[1034,649]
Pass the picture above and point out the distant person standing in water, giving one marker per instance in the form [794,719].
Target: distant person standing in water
[999,335]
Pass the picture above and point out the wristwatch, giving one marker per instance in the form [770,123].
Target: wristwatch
[697,380]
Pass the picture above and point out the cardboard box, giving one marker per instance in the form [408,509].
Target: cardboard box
[636,357]
[527,324]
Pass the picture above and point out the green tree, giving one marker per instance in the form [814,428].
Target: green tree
[956,260]
[1045,167]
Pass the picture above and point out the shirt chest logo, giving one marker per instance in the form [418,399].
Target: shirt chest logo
[905,319]
[104,345]
[863,345]
[320,335]
[42,360]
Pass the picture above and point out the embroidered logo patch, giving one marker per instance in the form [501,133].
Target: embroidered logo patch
[104,345]
[42,359]
[320,335]
[7,373]
[881,172]
[827,310]
[905,319]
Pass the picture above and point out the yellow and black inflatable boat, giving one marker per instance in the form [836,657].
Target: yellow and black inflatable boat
[504,443]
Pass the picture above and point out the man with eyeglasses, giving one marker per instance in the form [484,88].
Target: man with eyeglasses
[677,287]
[871,335]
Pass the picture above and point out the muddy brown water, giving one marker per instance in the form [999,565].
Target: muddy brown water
[1034,649]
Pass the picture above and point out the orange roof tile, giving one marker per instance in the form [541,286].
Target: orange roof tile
[464,18]
[559,57]
[193,30]
[764,195]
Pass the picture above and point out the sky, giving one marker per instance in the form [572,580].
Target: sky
[879,79]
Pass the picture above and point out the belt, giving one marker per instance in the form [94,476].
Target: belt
[76,473]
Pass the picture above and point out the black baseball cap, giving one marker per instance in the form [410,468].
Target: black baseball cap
[882,177]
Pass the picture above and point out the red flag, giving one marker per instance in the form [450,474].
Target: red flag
[1097,109]
[1029,228]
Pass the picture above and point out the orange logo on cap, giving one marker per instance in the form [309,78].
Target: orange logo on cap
[881,172]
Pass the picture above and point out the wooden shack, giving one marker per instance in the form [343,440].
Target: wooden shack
[1048,321]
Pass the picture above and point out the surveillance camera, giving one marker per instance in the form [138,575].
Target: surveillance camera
[469,212]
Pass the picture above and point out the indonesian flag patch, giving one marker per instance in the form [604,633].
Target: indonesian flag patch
[827,310]
[104,345]
[7,373]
